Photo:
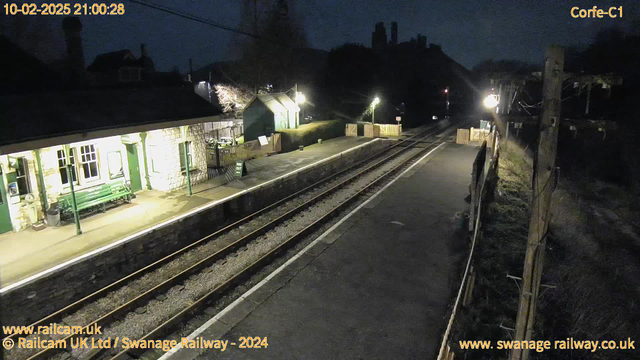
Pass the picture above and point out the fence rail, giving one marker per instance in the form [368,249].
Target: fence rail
[227,156]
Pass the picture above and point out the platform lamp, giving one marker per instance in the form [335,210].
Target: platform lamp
[375,102]
[490,101]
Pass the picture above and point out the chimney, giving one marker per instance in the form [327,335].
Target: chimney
[394,33]
[72,27]
[147,63]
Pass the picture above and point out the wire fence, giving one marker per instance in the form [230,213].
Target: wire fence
[483,182]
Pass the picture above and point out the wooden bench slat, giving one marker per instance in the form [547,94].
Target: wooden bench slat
[100,194]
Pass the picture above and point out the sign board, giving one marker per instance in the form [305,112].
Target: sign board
[263,140]
[241,168]
[12,189]
[398,118]
[517,125]
[485,125]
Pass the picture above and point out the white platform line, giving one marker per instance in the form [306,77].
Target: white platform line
[257,286]
[167,222]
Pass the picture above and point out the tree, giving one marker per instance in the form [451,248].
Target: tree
[233,98]
[269,58]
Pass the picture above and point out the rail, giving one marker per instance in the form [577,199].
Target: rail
[167,326]
[120,311]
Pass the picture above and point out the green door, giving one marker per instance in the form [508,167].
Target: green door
[134,167]
[5,217]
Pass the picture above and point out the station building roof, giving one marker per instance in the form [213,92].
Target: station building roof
[47,119]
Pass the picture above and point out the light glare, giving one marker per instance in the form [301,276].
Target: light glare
[490,101]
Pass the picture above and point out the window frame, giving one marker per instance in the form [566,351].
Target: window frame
[86,159]
[119,174]
[62,168]
[22,162]
[183,167]
[153,152]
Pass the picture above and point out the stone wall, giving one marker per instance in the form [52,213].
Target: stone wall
[45,295]
[163,147]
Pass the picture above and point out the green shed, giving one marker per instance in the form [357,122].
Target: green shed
[268,113]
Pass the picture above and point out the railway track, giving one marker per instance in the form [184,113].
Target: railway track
[370,172]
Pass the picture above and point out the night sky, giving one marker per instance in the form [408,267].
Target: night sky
[469,31]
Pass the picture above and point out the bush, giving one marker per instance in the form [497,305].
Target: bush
[310,133]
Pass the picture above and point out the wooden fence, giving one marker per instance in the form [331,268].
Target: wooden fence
[484,179]
[390,129]
[249,150]
[377,130]
[351,130]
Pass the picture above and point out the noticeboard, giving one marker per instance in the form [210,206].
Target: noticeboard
[241,168]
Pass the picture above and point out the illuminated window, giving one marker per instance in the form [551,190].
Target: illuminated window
[190,156]
[89,162]
[22,176]
[62,166]
[114,161]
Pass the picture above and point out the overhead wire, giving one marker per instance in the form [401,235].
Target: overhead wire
[202,20]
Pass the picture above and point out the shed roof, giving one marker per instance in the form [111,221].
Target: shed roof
[276,102]
[42,116]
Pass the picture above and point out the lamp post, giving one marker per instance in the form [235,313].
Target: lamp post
[74,203]
[375,102]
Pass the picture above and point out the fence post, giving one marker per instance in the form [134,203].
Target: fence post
[217,148]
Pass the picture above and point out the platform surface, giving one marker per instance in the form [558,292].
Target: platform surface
[377,287]
[27,253]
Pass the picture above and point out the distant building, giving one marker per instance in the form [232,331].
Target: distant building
[394,33]
[420,42]
[379,37]
[268,113]
[119,67]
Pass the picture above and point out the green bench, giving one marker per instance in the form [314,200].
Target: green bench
[94,196]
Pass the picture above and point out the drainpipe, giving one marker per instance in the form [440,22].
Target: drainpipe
[43,191]
[73,194]
[143,137]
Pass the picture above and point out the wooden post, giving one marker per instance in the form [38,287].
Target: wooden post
[543,176]
[468,293]
[506,138]
[586,109]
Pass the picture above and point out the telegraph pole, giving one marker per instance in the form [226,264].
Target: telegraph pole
[543,182]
